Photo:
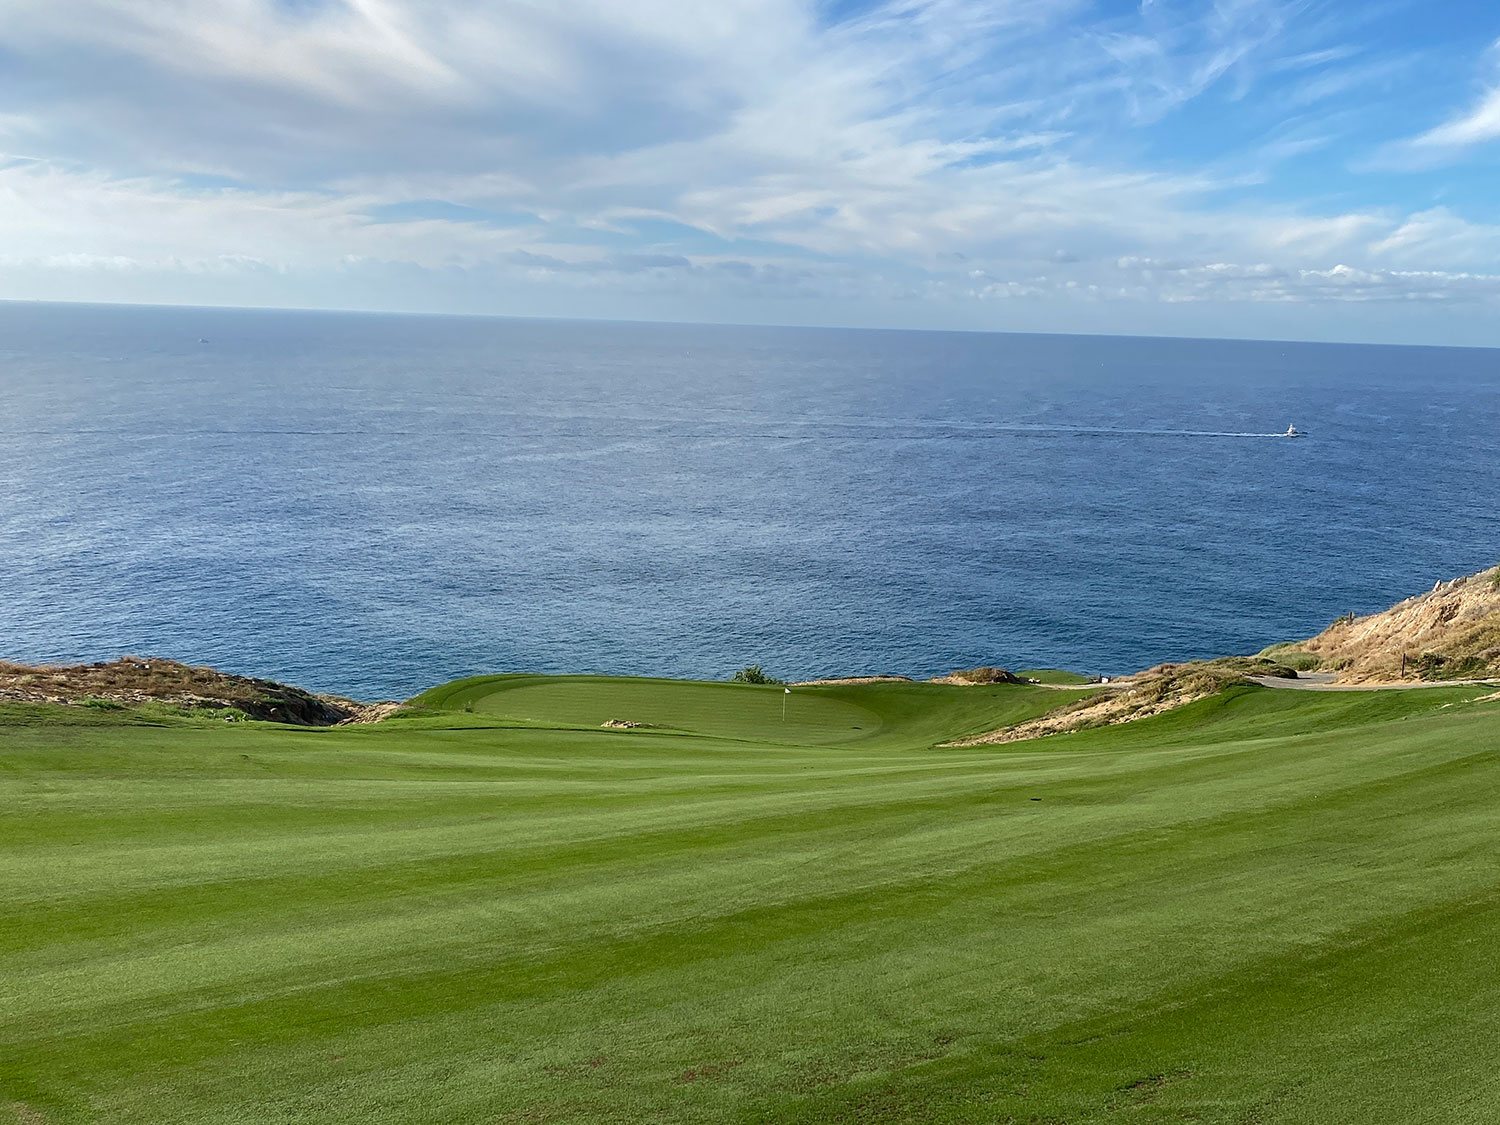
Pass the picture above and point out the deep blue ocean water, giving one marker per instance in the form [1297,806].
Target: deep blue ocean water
[374,504]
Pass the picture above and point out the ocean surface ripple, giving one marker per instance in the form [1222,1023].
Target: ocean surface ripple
[373,504]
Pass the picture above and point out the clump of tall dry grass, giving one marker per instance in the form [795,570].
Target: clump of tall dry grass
[1450,632]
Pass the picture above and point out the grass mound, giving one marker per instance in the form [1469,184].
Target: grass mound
[1262,665]
[1153,692]
[985,675]
[1291,656]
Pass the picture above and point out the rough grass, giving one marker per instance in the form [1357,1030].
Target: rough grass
[1290,656]
[1260,665]
[1450,632]
[1055,676]
[1274,907]
[1152,692]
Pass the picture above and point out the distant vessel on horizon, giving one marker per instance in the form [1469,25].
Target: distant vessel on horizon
[1292,431]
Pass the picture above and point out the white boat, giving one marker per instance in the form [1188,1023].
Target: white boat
[1292,431]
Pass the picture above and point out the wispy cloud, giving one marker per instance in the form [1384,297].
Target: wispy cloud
[1479,124]
[1475,124]
[940,150]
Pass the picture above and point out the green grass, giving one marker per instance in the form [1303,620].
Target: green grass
[1269,906]
[1054,676]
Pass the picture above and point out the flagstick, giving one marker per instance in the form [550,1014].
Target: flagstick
[784,693]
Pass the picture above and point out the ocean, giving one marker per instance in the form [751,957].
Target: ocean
[373,504]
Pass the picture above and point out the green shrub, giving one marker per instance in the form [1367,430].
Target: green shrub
[754,674]
[1429,665]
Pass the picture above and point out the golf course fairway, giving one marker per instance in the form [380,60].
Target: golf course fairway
[1265,907]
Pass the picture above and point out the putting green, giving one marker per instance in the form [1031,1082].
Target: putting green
[741,711]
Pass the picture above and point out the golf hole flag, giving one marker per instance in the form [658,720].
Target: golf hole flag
[786,691]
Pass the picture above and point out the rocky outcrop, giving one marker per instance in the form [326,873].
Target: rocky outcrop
[984,675]
[132,681]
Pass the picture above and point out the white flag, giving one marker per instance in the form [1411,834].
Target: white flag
[787,690]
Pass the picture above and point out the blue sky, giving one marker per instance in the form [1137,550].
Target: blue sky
[1281,168]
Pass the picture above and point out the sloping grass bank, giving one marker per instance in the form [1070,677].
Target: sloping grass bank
[1264,907]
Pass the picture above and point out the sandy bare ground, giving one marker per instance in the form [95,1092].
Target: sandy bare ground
[1326,681]
[852,680]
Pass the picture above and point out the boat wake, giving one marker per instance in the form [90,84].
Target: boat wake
[1112,431]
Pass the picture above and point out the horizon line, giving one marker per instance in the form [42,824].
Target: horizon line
[436,315]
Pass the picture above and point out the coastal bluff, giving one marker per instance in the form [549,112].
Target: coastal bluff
[134,681]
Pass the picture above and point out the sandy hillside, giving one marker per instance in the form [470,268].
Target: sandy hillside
[1450,632]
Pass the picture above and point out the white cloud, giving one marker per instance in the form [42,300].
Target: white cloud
[1478,124]
[952,149]
[1438,238]
[50,213]
[1265,283]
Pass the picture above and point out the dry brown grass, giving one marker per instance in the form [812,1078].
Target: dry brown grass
[133,680]
[1152,692]
[834,681]
[1450,632]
